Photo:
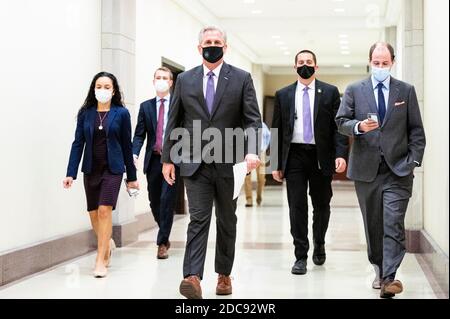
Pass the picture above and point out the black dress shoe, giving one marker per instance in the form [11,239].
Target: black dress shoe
[319,255]
[299,267]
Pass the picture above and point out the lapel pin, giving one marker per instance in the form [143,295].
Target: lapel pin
[319,90]
[225,78]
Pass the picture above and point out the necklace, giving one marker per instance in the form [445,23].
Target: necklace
[101,120]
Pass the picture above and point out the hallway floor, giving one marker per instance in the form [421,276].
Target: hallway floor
[264,257]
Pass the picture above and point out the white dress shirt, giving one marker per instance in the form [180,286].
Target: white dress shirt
[216,72]
[166,111]
[297,136]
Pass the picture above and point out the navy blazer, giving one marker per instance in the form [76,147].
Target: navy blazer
[118,133]
[146,126]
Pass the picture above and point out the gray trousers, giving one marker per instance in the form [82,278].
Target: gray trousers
[203,189]
[383,204]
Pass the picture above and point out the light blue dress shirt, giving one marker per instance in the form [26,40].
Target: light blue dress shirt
[386,87]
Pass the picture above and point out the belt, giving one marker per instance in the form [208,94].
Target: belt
[303,146]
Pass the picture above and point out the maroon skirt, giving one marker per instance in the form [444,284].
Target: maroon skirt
[102,189]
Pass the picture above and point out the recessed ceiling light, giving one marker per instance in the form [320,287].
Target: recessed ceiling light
[280,43]
[343,36]
[345,48]
[249,1]
[339,10]
[347,66]
[287,53]
[276,37]
[284,48]
[256,11]
[345,52]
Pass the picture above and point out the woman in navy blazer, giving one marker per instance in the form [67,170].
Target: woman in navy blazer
[104,133]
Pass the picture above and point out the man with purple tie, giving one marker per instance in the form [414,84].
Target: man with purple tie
[310,151]
[214,97]
[151,123]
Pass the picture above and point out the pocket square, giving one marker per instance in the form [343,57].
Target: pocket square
[400,103]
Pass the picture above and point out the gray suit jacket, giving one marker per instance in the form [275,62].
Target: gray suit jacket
[235,106]
[401,138]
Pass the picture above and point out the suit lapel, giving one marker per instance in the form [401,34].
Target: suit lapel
[394,92]
[224,79]
[368,92]
[317,98]
[111,116]
[92,112]
[152,113]
[198,87]
[291,104]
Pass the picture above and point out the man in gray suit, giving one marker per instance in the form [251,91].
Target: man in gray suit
[211,100]
[383,116]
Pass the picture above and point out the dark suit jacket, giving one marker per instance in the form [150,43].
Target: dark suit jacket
[118,132]
[146,127]
[235,106]
[329,143]
[401,138]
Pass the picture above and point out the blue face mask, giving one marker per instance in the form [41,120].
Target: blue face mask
[380,74]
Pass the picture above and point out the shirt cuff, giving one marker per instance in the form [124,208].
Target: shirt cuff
[356,129]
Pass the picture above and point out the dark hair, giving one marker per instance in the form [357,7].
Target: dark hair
[306,51]
[382,44]
[165,69]
[91,101]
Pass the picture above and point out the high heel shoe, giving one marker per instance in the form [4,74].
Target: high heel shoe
[100,274]
[112,247]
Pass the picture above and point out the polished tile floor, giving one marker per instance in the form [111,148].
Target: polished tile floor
[264,257]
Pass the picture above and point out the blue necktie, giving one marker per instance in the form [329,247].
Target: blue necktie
[381,103]
[210,91]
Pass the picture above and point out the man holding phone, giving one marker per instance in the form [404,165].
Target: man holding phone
[388,145]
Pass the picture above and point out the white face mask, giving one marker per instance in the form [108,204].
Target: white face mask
[103,96]
[162,86]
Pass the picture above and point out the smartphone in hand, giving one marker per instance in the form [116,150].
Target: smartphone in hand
[132,192]
[372,116]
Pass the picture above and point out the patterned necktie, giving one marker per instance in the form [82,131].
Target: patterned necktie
[210,91]
[307,125]
[160,128]
[381,103]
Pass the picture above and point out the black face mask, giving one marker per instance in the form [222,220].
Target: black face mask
[306,71]
[212,54]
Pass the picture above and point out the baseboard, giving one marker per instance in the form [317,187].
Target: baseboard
[23,262]
[432,259]
[27,261]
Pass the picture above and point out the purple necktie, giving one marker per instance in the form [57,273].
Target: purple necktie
[210,91]
[159,128]
[307,126]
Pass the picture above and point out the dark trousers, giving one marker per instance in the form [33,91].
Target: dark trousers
[162,198]
[383,204]
[302,170]
[203,189]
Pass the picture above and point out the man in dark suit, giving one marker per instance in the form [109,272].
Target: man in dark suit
[310,151]
[208,101]
[151,124]
[382,114]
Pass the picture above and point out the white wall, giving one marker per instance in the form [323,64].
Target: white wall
[436,104]
[163,29]
[50,50]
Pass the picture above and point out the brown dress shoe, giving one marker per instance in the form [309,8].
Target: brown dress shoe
[190,287]
[224,285]
[389,288]
[162,252]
